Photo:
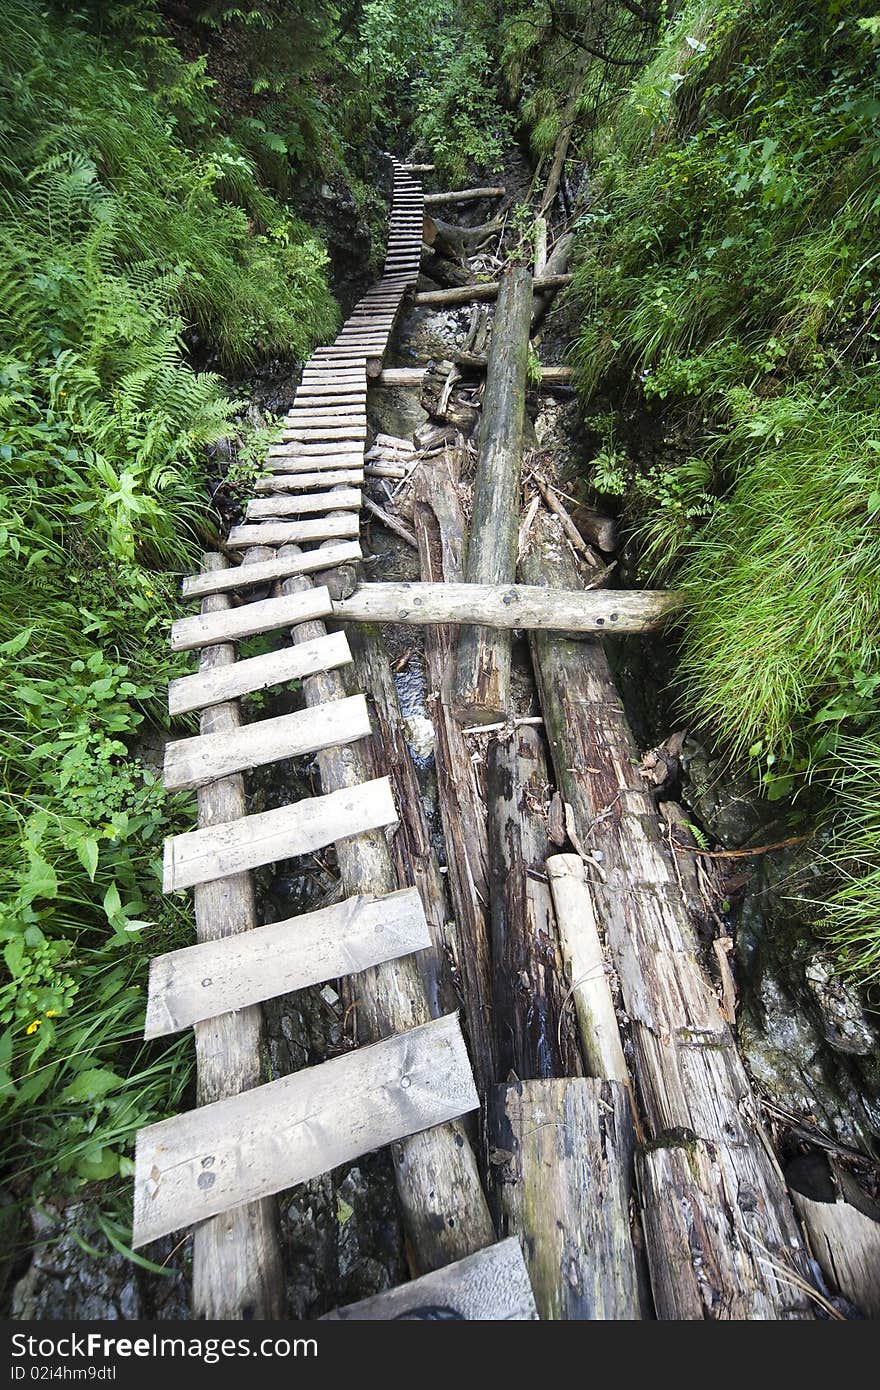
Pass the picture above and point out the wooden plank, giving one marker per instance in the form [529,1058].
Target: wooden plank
[265,571]
[193,762]
[319,433]
[314,450]
[490,1286]
[287,532]
[564,1183]
[198,1164]
[270,836]
[401,376]
[510,606]
[288,461]
[234,623]
[281,482]
[346,499]
[257,673]
[218,976]
[323,412]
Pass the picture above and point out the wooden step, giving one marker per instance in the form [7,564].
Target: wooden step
[271,836]
[232,624]
[214,977]
[193,762]
[345,499]
[265,571]
[325,408]
[328,397]
[279,482]
[265,1140]
[207,688]
[287,461]
[489,1286]
[294,532]
[320,433]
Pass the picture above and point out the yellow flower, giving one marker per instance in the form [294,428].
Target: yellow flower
[32,1027]
[51,1013]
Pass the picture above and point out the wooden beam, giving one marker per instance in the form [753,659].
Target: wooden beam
[283,482]
[253,1145]
[342,499]
[486,290]
[217,976]
[463,195]
[400,376]
[267,571]
[257,673]
[233,624]
[271,836]
[490,1286]
[193,762]
[511,606]
[284,532]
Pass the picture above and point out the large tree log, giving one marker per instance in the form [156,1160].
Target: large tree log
[488,290]
[730,1221]
[552,278]
[562,1156]
[236,1256]
[458,242]
[482,689]
[464,195]
[443,1205]
[534,1033]
[505,607]
[439,526]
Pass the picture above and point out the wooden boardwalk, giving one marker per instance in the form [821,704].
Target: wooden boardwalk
[215,1167]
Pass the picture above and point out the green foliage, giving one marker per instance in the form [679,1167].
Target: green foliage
[458,116]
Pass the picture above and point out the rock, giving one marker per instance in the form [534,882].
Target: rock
[843,1016]
[727,802]
[420,735]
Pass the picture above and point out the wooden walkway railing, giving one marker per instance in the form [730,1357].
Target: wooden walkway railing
[218,1167]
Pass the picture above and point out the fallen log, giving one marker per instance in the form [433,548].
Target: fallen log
[464,195]
[486,290]
[503,607]
[552,278]
[562,1154]
[391,523]
[534,1033]
[557,507]
[439,526]
[585,967]
[482,687]
[237,1271]
[843,1229]
[721,1234]
[400,376]
[563,139]
[443,1206]
[550,376]
[445,273]
[458,242]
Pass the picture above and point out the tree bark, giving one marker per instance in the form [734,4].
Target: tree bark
[730,1228]
[464,195]
[534,1032]
[490,289]
[458,242]
[482,689]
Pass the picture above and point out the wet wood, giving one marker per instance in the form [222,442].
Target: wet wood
[237,1272]
[510,606]
[199,982]
[491,1286]
[843,1229]
[534,1032]
[401,376]
[482,689]
[253,1145]
[721,1233]
[562,1160]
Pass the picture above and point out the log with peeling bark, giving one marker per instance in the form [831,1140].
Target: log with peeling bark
[237,1271]
[843,1228]
[439,526]
[534,1032]
[482,689]
[443,1205]
[463,195]
[722,1238]
[458,242]
[503,607]
[562,1153]
[488,290]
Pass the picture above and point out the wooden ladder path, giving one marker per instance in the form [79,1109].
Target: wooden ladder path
[217,1167]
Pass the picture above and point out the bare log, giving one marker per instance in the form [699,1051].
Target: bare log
[483,670]
[559,509]
[439,526]
[730,1226]
[503,607]
[562,1156]
[552,278]
[444,272]
[237,1270]
[843,1229]
[585,967]
[464,195]
[534,1033]
[486,290]
[458,242]
[443,1205]
[401,376]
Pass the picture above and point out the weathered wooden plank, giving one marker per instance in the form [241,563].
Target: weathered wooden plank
[265,571]
[331,413]
[232,624]
[486,290]
[507,606]
[464,195]
[321,433]
[285,532]
[563,1170]
[195,1165]
[490,1286]
[280,482]
[203,855]
[346,499]
[213,687]
[193,762]
[401,376]
[215,977]
[289,461]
